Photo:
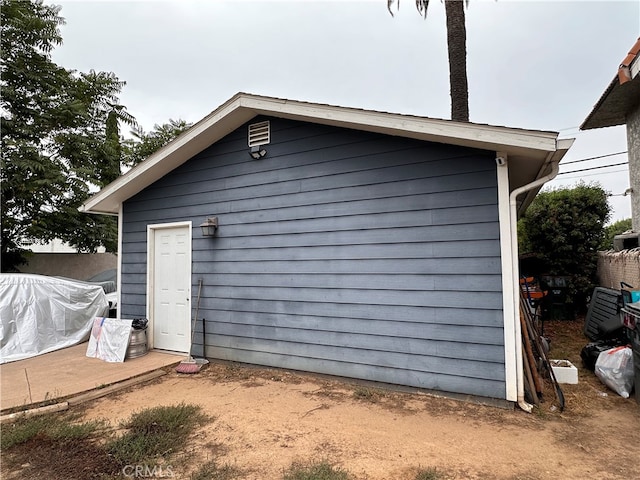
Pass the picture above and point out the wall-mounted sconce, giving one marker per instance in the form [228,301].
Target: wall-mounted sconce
[209,226]
[257,153]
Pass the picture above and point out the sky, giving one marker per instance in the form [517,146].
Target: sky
[531,64]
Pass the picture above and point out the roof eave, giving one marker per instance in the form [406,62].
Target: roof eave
[563,146]
[594,119]
[481,136]
[243,107]
[197,138]
[614,104]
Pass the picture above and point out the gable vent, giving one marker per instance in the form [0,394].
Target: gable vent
[259,134]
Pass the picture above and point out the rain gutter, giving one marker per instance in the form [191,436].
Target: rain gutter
[513,205]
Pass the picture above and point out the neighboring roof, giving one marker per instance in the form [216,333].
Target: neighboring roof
[530,152]
[621,96]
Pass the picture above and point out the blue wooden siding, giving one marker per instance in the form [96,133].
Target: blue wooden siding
[340,252]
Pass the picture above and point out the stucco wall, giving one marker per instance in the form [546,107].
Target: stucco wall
[633,146]
[72,265]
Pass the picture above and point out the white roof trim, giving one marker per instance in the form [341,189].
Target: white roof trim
[634,68]
[475,135]
[243,107]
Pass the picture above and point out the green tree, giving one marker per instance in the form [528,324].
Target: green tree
[59,136]
[564,229]
[457,49]
[612,230]
[143,144]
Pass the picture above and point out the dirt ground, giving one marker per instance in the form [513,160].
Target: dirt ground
[264,419]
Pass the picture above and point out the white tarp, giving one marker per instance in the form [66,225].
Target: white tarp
[40,314]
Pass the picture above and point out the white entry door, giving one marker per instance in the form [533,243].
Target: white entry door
[171,288]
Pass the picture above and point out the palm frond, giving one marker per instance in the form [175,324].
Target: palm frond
[390,4]
[422,6]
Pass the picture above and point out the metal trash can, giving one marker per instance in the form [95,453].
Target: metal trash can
[138,339]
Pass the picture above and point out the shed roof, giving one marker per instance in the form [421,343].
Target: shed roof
[621,96]
[530,152]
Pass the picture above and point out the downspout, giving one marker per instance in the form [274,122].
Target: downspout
[516,276]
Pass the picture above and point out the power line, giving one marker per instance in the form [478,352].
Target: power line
[593,158]
[595,168]
[592,174]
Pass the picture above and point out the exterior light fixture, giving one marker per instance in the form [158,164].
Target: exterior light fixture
[257,153]
[209,226]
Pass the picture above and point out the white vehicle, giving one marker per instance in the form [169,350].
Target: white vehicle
[108,280]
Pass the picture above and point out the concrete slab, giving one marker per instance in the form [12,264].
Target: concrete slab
[68,372]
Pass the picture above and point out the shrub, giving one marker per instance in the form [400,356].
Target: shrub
[564,229]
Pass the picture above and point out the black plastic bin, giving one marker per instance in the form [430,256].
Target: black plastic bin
[556,304]
[603,317]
